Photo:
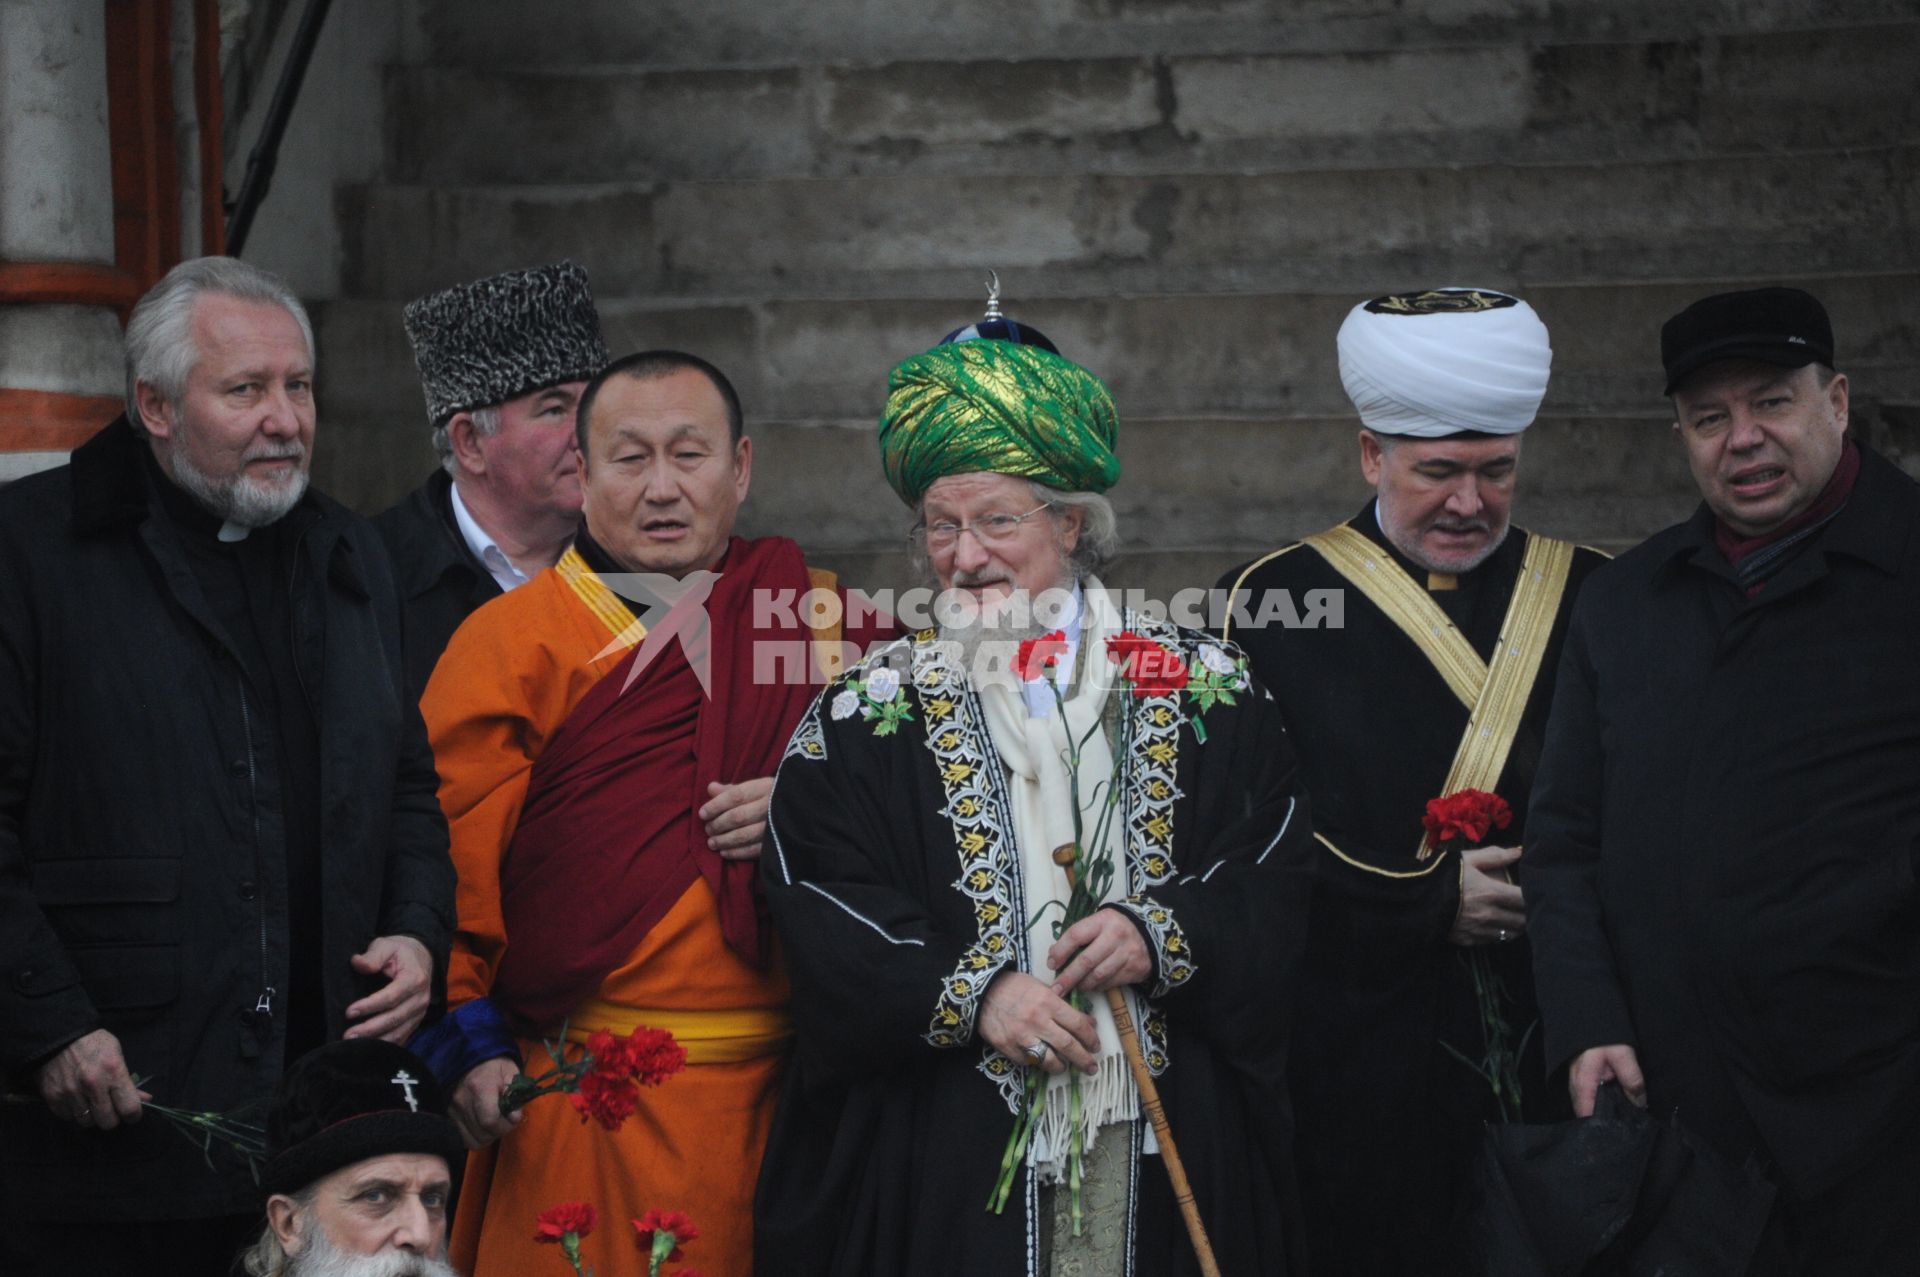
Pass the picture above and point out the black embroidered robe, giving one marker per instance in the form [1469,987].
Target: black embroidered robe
[892,874]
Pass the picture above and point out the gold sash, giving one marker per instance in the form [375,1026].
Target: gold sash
[1495,696]
[711,1037]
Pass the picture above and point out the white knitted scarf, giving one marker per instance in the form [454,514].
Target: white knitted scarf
[1034,749]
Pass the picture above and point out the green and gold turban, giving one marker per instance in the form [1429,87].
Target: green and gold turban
[1001,407]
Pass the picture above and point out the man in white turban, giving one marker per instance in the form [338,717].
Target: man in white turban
[1434,677]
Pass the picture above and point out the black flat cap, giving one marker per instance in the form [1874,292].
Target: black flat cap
[1782,326]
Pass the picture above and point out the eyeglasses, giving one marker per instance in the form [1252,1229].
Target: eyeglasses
[988,529]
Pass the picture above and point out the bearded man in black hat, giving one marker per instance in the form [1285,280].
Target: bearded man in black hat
[1435,678]
[503,361]
[360,1165]
[1721,874]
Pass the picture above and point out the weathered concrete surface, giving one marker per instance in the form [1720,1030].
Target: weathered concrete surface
[1205,357]
[1412,107]
[1215,233]
[1187,195]
[709,33]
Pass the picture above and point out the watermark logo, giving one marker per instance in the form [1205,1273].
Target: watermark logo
[671,610]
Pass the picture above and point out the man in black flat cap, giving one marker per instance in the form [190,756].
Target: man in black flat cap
[360,1161]
[1720,877]
[502,361]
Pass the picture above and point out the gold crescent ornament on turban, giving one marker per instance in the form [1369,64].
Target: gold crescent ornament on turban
[1000,407]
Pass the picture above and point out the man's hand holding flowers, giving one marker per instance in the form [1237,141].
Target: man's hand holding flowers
[1019,1011]
[1106,952]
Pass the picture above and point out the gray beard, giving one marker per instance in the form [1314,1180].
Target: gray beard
[319,1257]
[984,650]
[1382,517]
[241,499]
[986,645]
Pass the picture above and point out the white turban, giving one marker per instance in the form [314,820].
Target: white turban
[1450,359]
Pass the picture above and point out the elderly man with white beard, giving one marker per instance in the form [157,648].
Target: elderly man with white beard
[941,998]
[360,1154]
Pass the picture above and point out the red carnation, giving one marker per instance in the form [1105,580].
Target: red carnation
[675,1227]
[1467,814]
[608,1052]
[606,1098]
[1151,668]
[652,1056]
[1038,655]
[555,1222]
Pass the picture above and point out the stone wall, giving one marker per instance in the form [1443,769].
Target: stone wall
[1186,195]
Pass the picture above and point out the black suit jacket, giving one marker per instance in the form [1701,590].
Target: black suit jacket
[441,583]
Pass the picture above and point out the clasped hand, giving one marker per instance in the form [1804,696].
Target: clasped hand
[1100,952]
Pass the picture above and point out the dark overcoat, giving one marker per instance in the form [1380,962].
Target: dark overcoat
[1721,869]
[143,875]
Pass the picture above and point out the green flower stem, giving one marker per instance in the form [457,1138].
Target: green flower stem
[663,1244]
[1033,1101]
[1499,1064]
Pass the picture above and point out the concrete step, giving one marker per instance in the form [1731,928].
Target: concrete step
[1097,235]
[1262,356]
[711,33]
[1403,108]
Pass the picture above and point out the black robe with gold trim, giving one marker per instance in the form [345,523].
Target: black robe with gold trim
[1388,1119]
[892,874]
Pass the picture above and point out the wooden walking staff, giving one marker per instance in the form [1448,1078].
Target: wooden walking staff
[1064,856]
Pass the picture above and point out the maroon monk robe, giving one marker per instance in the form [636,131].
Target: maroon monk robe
[608,840]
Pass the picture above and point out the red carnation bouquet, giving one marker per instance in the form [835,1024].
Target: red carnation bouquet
[660,1235]
[1463,820]
[604,1081]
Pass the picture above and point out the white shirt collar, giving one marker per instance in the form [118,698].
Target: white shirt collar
[484,547]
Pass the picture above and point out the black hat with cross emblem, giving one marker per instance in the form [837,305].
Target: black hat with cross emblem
[348,1101]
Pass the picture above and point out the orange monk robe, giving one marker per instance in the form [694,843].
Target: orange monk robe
[511,675]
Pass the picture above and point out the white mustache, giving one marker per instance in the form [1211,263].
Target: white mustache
[982,578]
[274,451]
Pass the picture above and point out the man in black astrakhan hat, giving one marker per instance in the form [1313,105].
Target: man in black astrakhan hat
[503,361]
[1722,839]
[360,1164]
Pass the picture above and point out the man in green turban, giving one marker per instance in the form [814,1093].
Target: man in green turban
[939,1003]
[1001,407]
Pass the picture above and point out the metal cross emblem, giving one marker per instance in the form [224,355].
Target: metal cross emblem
[405,1081]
